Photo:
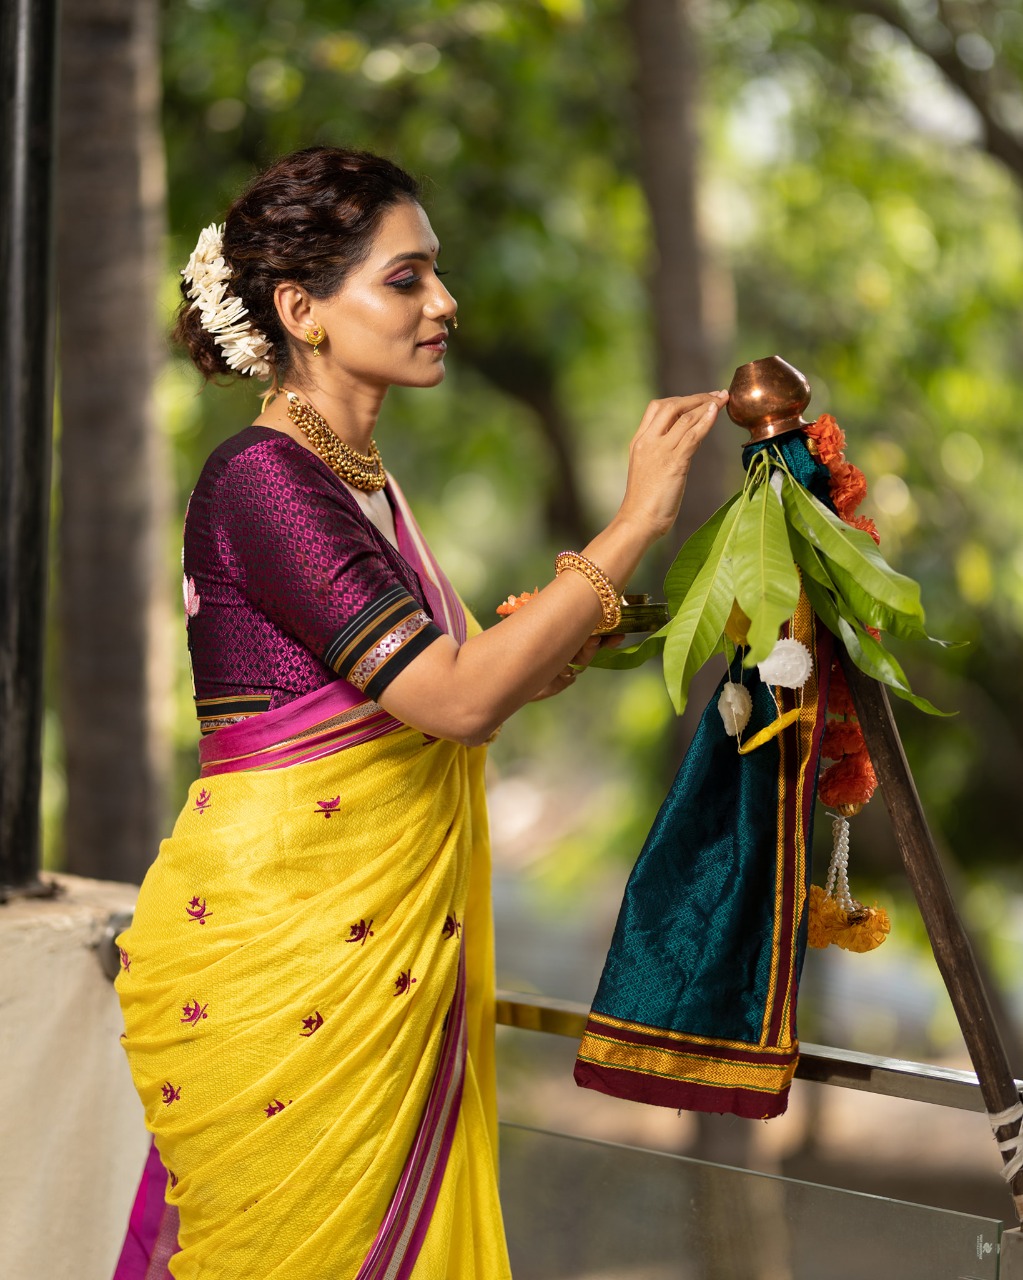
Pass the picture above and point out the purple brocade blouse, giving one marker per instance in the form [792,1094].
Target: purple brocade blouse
[287,584]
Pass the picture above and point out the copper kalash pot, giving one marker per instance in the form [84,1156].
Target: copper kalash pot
[767,397]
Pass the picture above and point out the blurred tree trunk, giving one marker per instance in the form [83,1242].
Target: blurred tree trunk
[114,670]
[688,328]
[689,298]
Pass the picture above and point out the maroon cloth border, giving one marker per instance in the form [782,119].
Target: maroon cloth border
[683,1095]
[823,651]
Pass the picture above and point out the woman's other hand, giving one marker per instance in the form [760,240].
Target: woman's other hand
[662,449]
[567,676]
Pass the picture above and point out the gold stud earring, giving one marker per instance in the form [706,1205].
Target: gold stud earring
[314,336]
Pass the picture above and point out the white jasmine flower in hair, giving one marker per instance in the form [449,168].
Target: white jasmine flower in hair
[788,664]
[735,707]
[223,314]
[206,266]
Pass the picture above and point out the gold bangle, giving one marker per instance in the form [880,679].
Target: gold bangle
[610,603]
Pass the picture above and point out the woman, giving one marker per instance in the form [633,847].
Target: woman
[308,982]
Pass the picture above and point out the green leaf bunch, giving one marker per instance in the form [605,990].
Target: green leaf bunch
[757,551]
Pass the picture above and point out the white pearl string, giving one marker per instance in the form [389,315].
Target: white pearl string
[837,885]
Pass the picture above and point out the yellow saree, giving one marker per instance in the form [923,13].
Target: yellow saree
[307,990]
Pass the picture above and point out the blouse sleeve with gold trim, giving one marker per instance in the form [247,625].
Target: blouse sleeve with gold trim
[295,541]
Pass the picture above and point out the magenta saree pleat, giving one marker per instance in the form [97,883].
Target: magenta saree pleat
[152,1228]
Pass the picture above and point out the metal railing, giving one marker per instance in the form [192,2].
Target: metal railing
[889,1077]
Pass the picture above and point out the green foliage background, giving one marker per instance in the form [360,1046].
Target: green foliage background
[855,225]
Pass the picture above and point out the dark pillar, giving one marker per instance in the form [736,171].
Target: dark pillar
[28,47]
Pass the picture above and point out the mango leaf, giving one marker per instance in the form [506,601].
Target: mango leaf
[852,602]
[695,631]
[872,658]
[766,581]
[871,613]
[634,656]
[831,604]
[852,550]
[805,555]
[823,604]
[692,557]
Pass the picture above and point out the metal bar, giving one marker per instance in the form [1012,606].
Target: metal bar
[889,1077]
[28,56]
[950,942]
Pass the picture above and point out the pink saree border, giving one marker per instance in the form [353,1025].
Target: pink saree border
[319,723]
[447,609]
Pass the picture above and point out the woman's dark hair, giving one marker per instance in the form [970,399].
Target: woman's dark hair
[309,218]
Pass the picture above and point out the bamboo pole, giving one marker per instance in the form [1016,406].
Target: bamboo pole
[949,940]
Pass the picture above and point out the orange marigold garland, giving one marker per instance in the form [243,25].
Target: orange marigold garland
[840,701]
[851,781]
[848,488]
[826,439]
[835,916]
[867,525]
[841,738]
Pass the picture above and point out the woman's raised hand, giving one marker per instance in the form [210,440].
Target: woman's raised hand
[465,692]
[663,447]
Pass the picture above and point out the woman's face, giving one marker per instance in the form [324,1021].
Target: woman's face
[388,323]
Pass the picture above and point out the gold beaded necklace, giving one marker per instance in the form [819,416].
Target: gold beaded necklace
[363,471]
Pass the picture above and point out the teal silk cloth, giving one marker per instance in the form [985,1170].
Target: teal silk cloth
[696,1006]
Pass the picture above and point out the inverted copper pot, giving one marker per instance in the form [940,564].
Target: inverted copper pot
[767,397]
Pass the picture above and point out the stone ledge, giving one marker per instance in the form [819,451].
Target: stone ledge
[79,902]
[74,1136]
